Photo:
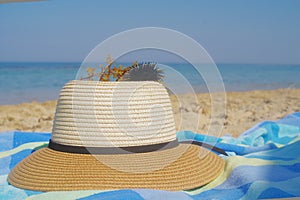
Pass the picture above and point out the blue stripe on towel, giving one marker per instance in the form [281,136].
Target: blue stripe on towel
[266,164]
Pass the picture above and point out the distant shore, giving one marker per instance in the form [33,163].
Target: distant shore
[244,110]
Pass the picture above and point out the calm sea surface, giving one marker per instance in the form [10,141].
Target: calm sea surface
[26,82]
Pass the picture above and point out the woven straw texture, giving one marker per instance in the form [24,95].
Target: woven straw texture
[49,170]
[106,114]
[118,114]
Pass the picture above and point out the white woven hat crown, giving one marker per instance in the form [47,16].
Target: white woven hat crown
[113,114]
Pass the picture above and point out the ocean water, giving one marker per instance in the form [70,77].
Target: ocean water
[26,82]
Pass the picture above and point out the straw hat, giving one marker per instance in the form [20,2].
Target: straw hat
[114,135]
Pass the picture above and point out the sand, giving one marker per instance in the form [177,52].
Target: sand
[243,110]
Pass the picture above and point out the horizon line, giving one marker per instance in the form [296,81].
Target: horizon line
[169,62]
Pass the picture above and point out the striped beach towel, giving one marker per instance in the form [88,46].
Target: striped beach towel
[263,162]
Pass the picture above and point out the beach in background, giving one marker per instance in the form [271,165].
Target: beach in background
[27,82]
[254,93]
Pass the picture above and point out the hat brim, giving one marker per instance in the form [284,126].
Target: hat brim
[181,168]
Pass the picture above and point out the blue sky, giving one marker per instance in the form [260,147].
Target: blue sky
[232,31]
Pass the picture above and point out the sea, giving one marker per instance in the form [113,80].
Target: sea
[32,81]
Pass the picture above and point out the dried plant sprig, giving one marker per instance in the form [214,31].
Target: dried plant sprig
[145,71]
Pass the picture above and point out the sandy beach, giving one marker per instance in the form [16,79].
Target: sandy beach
[243,110]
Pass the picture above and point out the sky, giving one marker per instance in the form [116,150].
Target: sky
[232,31]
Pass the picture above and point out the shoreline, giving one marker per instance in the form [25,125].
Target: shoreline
[181,94]
[243,111]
